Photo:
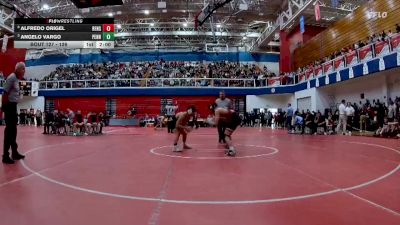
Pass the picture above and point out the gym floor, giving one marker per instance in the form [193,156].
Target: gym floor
[131,176]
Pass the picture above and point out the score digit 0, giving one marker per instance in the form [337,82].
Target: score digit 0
[108,27]
[108,36]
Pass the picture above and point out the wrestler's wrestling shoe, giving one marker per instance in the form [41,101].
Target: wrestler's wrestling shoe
[231,151]
[176,149]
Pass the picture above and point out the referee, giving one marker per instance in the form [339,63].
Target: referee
[222,102]
[10,100]
[171,111]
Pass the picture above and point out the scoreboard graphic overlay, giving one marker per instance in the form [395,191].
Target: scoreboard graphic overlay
[37,33]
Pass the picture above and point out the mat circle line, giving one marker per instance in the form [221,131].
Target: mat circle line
[205,202]
[274,151]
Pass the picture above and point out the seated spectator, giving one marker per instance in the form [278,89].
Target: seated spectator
[59,123]
[79,124]
[299,122]
[331,123]
[320,122]
[309,122]
[92,123]
[382,130]
[70,115]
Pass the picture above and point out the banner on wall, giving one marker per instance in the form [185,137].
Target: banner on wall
[339,63]
[275,81]
[318,71]
[351,72]
[351,58]
[302,77]
[365,53]
[365,69]
[382,65]
[309,73]
[381,48]
[5,42]
[34,88]
[328,67]
[395,42]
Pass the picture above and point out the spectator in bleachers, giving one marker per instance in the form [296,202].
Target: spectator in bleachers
[161,69]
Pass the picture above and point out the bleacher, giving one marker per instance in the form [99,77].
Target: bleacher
[357,26]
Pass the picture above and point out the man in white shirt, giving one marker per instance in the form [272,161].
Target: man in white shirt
[350,116]
[391,111]
[342,118]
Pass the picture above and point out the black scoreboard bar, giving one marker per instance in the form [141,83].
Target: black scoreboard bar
[64,33]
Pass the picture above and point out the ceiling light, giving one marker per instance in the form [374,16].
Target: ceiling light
[185,24]
[85,10]
[110,14]
[243,7]
[119,12]
[45,6]
[152,24]
[244,38]
[162,5]
[147,12]
[218,25]
[119,26]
